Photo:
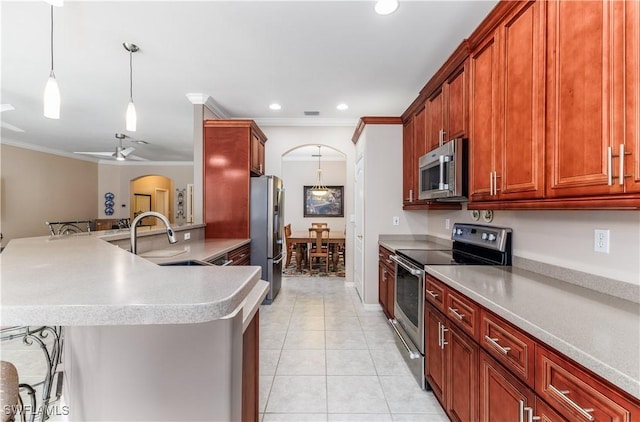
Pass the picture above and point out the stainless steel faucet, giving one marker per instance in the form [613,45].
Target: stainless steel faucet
[134,223]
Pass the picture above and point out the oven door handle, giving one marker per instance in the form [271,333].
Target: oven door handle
[413,271]
[413,353]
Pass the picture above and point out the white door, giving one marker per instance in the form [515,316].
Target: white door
[162,202]
[358,252]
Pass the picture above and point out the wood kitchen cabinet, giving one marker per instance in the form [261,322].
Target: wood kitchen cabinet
[577,395]
[506,122]
[501,394]
[228,161]
[451,366]
[386,282]
[250,370]
[240,255]
[409,165]
[257,154]
[447,110]
[593,115]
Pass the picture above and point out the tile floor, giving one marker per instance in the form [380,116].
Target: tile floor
[323,357]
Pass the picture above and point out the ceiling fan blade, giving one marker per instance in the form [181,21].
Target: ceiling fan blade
[128,151]
[135,158]
[98,153]
[13,128]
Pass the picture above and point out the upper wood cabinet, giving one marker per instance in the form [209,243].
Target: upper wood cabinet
[507,109]
[257,152]
[447,110]
[409,165]
[592,98]
[228,163]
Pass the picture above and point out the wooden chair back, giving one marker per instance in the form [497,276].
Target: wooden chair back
[319,225]
[320,246]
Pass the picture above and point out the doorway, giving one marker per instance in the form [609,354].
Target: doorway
[159,191]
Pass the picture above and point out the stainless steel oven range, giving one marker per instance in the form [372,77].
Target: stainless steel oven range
[473,244]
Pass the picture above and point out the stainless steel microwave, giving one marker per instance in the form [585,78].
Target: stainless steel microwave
[442,172]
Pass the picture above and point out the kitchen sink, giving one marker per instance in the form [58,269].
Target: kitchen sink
[188,262]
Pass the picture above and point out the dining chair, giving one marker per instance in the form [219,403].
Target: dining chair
[292,247]
[319,247]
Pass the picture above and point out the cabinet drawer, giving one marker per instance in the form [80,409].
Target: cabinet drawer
[463,312]
[434,291]
[241,254]
[509,346]
[383,257]
[580,396]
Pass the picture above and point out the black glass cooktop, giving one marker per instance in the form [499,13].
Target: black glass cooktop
[444,257]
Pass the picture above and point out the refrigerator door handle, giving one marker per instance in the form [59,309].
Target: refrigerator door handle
[278,259]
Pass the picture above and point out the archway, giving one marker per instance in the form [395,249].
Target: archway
[151,193]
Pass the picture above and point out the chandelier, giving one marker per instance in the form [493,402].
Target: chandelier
[319,189]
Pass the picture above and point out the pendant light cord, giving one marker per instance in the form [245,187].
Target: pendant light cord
[52,38]
[130,75]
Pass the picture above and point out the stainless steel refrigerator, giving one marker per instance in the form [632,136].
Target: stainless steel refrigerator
[267,216]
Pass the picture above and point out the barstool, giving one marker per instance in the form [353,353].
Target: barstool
[9,392]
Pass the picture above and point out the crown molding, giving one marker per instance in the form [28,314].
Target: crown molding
[208,102]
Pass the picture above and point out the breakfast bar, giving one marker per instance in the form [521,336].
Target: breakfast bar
[141,341]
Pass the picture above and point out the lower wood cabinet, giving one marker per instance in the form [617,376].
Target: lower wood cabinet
[451,368]
[250,370]
[578,395]
[386,282]
[502,396]
[241,255]
[506,375]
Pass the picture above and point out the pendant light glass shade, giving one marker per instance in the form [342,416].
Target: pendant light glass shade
[319,189]
[132,118]
[52,98]
[51,89]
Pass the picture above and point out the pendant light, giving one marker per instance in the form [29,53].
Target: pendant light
[131,117]
[51,89]
[319,189]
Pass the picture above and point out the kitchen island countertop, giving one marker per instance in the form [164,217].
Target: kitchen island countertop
[84,280]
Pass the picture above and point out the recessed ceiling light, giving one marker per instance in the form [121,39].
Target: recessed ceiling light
[275,106]
[342,107]
[386,7]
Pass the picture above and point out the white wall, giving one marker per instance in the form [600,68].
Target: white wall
[565,238]
[381,148]
[296,175]
[284,139]
[37,186]
[115,178]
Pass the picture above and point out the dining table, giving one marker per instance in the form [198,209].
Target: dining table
[300,238]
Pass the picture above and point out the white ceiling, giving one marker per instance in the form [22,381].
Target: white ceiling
[305,55]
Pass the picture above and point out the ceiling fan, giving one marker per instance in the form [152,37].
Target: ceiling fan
[5,125]
[121,153]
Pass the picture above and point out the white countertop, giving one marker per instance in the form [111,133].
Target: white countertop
[84,280]
[599,331]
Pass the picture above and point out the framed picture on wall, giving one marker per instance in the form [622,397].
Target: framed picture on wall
[329,204]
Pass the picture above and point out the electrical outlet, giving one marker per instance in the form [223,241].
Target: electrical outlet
[601,241]
[396,220]
[447,223]
[187,236]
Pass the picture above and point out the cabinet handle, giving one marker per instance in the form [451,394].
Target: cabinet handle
[621,176]
[530,418]
[490,183]
[443,330]
[389,261]
[410,195]
[495,183]
[439,334]
[432,294]
[456,313]
[586,413]
[441,136]
[494,343]
[609,166]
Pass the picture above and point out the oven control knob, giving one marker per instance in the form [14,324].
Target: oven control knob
[492,237]
[484,236]
[458,232]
